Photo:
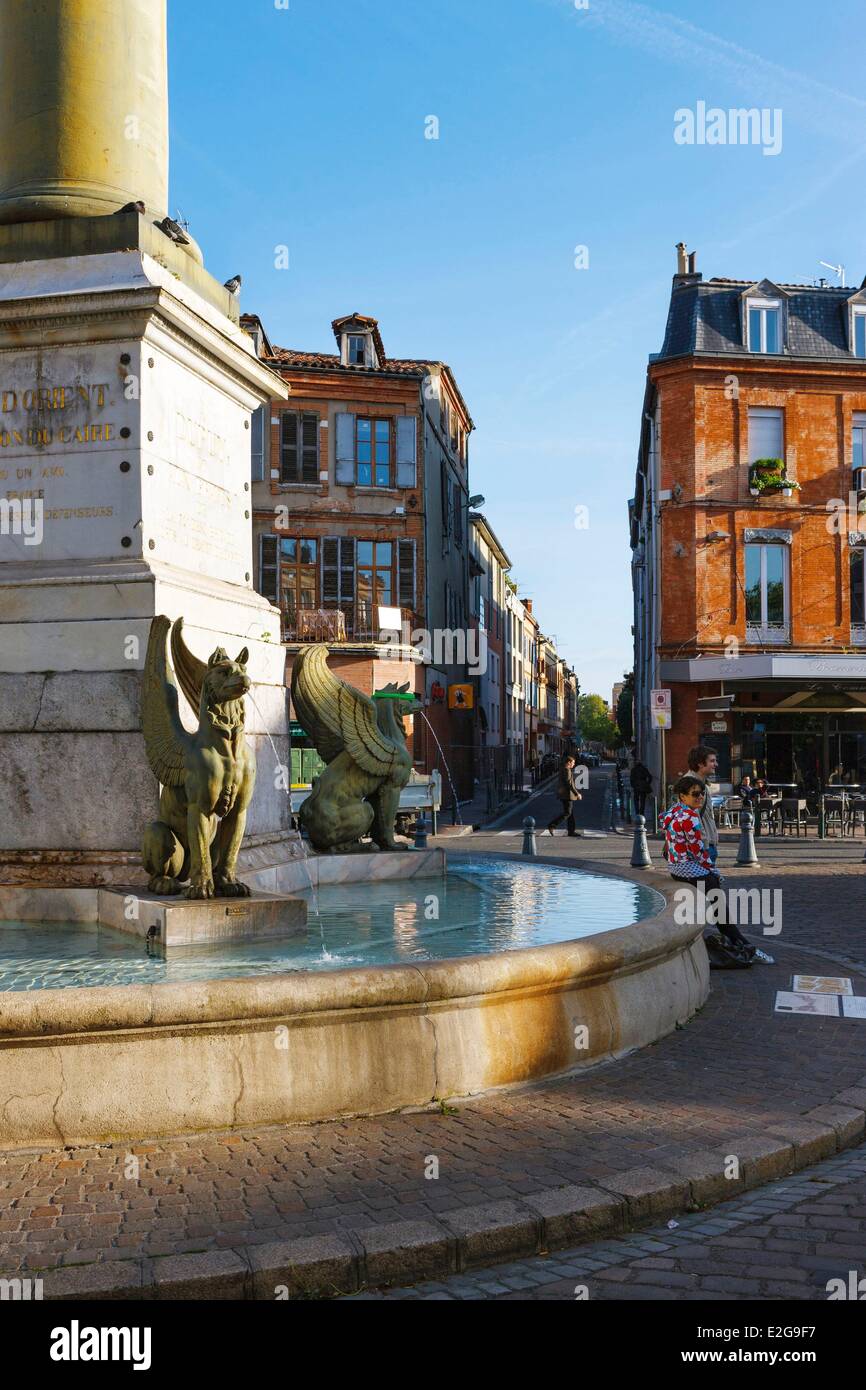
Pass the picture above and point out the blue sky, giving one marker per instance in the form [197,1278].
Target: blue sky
[305,127]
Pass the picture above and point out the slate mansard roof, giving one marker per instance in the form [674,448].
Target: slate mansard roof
[706,317]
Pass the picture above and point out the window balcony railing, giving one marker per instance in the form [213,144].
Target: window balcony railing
[858,635]
[345,624]
[774,635]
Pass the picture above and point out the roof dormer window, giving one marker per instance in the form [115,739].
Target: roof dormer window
[357,350]
[860,332]
[765,325]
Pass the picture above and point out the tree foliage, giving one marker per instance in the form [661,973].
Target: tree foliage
[595,722]
[625,708]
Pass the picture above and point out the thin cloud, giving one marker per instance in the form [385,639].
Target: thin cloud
[814,104]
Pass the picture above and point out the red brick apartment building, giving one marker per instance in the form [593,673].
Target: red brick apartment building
[747,534]
[360,508]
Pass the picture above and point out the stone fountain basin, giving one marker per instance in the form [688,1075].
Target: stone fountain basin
[86,1065]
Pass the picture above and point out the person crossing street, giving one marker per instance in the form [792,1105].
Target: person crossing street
[569,794]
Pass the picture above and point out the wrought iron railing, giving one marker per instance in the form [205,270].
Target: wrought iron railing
[344,624]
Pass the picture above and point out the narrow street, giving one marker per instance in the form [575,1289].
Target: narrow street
[592,813]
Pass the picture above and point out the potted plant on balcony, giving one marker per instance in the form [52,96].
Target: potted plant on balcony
[768,475]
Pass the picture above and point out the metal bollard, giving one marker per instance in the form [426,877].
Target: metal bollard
[640,855]
[746,853]
[822,820]
[529,846]
[421,832]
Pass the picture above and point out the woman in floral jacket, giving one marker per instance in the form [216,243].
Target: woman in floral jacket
[688,855]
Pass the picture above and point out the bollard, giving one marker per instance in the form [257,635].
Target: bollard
[421,832]
[529,846]
[822,820]
[640,856]
[746,853]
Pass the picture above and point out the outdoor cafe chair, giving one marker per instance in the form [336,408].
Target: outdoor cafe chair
[767,813]
[794,812]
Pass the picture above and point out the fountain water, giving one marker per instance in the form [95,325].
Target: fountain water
[454,800]
[304,851]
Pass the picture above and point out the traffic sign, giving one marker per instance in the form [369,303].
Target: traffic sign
[662,719]
[661,699]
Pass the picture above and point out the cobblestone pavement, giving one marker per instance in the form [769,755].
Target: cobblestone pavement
[738,1068]
[785,1241]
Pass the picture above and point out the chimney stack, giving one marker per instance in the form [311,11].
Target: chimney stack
[693,262]
[682,259]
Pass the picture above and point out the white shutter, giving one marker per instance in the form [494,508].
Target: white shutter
[345,448]
[407,444]
[766,433]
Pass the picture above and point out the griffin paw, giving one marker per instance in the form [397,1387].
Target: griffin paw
[231,888]
[200,888]
[164,887]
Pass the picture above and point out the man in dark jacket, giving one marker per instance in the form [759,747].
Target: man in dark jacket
[641,784]
[568,795]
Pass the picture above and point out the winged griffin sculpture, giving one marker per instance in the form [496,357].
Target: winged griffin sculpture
[363,743]
[207,777]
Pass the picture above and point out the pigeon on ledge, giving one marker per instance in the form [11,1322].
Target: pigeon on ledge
[174,231]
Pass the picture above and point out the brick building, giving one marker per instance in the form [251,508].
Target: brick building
[748,549]
[360,508]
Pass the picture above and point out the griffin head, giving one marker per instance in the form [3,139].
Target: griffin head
[225,680]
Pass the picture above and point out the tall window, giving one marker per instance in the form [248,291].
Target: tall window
[765,325]
[858,595]
[767,606]
[375,578]
[357,351]
[372,452]
[858,436]
[860,332]
[361,576]
[766,434]
[299,447]
[376,451]
[298,575]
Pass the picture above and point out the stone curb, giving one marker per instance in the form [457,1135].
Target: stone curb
[407,1252]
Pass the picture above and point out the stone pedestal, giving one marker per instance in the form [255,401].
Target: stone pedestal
[168,923]
[126,392]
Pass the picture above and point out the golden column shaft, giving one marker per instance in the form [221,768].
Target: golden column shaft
[83,108]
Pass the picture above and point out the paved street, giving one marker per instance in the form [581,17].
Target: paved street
[737,1070]
[785,1241]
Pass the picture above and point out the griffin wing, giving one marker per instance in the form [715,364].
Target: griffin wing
[314,697]
[166,741]
[190,671]
[338,717]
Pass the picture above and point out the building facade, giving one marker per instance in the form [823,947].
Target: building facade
[360,506]
[748,532]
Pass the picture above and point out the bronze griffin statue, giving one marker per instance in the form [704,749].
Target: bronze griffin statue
[207,777]
[363,743]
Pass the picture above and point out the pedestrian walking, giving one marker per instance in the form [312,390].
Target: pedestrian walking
[569,795]
[642,785]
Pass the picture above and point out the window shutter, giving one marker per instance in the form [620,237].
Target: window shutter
[310,449]
[289,447]
[257,444]
[345,448]
[347,569]
[406,574]
[407,437]
[269,569]
[330,572]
